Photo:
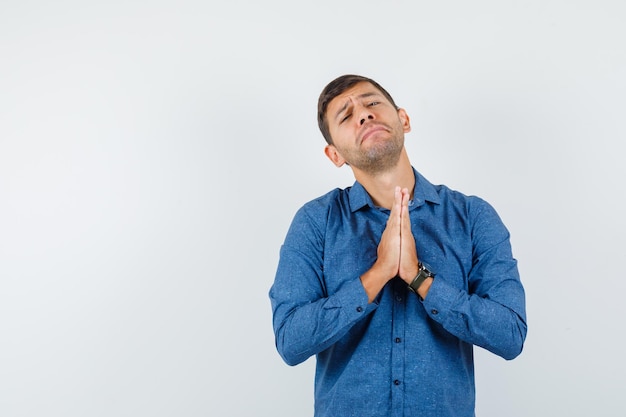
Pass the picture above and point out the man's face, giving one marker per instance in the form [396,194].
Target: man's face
[367,130]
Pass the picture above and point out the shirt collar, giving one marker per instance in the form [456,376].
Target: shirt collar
[424,191]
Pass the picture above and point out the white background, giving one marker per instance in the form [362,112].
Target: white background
[153,154]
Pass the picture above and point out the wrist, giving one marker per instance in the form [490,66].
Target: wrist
[422,291]
[373,281]
[422,281]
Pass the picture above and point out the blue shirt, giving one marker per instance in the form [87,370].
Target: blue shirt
[399,355]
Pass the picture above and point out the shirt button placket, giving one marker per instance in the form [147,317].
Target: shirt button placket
[398,354]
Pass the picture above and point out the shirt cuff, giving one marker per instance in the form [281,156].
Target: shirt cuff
[440,299]
[352,300]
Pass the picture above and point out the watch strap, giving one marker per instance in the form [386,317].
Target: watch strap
[422,273]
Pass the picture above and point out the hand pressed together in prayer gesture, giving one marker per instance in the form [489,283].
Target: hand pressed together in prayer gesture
[397,255]
[407,268]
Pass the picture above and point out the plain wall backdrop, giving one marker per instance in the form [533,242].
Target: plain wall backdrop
[153,154]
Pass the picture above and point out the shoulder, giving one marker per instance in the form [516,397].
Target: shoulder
[473,208]
[451,197]
[331,198]
[317,210]
[445,196]
[315,213]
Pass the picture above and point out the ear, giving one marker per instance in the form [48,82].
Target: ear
[335,157]
[406,121]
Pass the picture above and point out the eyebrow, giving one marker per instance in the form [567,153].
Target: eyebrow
[347,103]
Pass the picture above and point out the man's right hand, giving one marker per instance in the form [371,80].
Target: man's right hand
[393,258]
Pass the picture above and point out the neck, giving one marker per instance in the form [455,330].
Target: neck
[380,186]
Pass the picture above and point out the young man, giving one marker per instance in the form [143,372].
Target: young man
[391,282]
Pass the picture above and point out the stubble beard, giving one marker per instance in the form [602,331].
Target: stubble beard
[378,158]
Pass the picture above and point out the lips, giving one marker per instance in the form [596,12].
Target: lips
[370,130]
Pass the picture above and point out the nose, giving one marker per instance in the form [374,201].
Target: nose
[367,116]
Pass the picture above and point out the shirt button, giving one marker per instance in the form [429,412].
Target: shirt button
[398,340]
[359,309]
[396,382]
[398,298]
[434,311]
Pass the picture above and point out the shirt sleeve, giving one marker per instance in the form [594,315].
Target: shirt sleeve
[490,313]
[306,319]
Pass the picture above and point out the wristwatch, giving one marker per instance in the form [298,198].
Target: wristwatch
[423,272]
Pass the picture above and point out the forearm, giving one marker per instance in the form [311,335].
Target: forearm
[478,320]
[373,282]
[305,330]
[486,307]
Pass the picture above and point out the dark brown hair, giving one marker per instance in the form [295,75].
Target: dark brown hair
[335,88]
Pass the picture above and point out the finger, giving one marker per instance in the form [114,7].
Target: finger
[408,254]
[397,197]
[396,208]
[406,196]
[405,219]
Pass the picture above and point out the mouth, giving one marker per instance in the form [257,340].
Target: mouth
[369,131]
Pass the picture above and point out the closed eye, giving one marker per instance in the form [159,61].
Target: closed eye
[345,118]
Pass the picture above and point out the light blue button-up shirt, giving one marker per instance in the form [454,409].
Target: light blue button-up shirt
[399,355]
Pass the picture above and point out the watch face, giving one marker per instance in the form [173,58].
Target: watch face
[427,268]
